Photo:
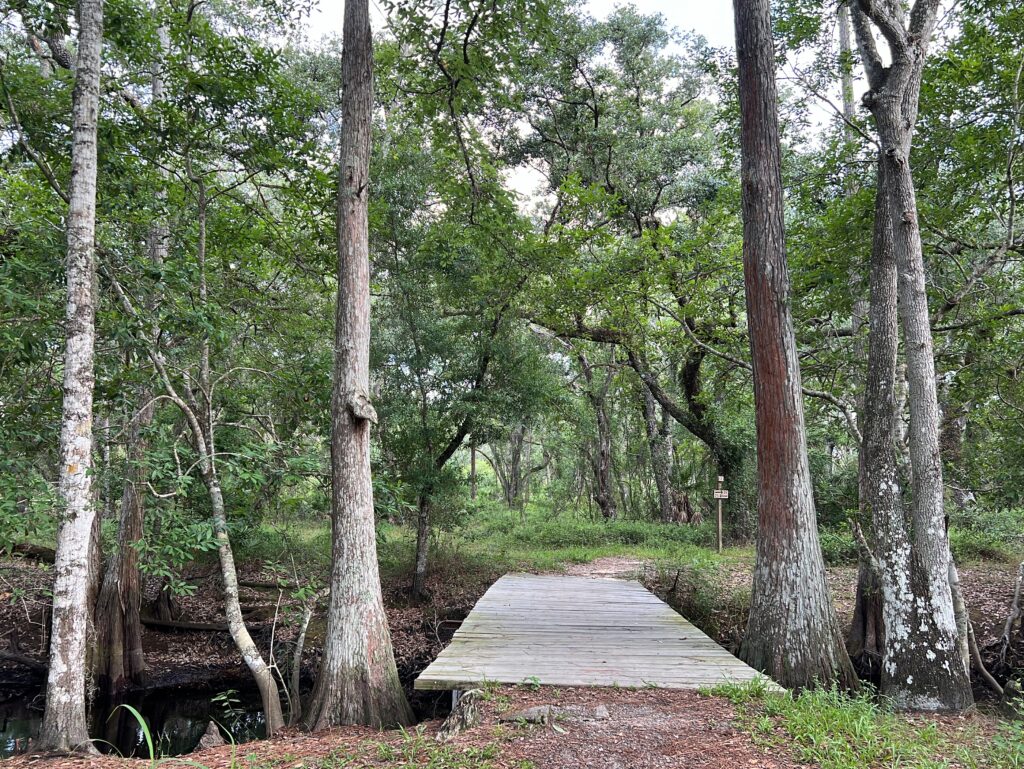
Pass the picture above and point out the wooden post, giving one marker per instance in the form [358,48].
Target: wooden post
[720,494]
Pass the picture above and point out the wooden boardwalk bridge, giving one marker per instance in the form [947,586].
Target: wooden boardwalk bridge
[578,631]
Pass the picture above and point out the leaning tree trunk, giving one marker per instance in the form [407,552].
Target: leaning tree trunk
[656,442]
[792,633]
[206,447]
[358,680]
[259,669]
[64,721]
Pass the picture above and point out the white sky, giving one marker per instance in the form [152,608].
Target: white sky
[711,18]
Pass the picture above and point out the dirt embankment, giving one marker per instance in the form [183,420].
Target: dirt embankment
[607,728]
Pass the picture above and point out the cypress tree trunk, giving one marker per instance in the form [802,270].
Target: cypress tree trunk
[792,633]
[120,661]
[358,680]
[64,722]
[922,666]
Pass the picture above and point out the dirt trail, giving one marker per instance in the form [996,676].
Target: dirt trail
[613,566]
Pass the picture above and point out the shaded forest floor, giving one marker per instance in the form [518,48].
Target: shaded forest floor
[622,729]
[642,728]
[602,728]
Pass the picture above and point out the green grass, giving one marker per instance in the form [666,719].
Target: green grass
[840,731]
[542,541]
[496,541]
[416,749]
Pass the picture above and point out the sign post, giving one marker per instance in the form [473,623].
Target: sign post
[720,494]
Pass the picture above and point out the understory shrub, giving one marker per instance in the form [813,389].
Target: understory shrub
[838,547]
[978,533]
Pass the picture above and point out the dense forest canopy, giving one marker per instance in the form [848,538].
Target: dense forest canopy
[627,123]
[551,223]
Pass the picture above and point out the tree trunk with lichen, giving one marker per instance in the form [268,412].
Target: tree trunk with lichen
[65,727]
[922,665]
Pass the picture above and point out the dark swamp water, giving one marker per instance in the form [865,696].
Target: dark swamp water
[176,716]
[178,712]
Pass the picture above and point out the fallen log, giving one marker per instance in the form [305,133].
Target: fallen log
[23,659]
[35,552]
[168,624]
[266,585]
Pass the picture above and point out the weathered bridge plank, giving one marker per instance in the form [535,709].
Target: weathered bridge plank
[578,631]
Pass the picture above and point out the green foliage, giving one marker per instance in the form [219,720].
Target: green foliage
[838,547]
[834,730]
[975,545]
[415,748]
[695,589]
[284,545]
[974,535]
[27,503]
[483,300]
[999,532]
[229,706]
[177,540]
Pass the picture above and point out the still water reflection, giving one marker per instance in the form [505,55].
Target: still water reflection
[176,718]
